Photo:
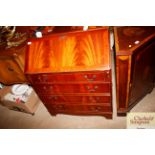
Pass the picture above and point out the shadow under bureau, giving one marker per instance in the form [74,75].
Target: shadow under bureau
[71,72]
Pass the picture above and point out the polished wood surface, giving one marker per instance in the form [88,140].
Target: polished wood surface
[56,99]
[73,88]
[75,93]
[71,72]
[127,38]
[135,65]
[80,51]
[12,63]
[89,76]
[12,53]
[123,64]
[143,72]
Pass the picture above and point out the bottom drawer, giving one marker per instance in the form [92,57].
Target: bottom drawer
[78,108]
[75,99]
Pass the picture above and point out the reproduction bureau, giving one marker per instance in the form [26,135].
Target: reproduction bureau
[71,72]
[135,65]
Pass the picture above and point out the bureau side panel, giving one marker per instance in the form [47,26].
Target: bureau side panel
[123,65]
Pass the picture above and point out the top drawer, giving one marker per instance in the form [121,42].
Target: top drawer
[103,76]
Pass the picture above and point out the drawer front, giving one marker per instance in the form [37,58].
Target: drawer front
[72,88]
[10,71]
[78,108]
[76,99]
[104,76]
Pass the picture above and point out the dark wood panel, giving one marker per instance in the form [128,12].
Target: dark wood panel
[126,37]
[135,65]
[123,79]
[143,72]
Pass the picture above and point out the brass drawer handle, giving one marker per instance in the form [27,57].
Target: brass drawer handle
[44,87]
[108,75]
[61,107]
[50,87]
[94,99]
[97,98]
[39,79]
[96,108]
[43,78]
[10,69]
[91,98]
[107,72]
[47,87]
[91,89]
[53,97]
[90,79]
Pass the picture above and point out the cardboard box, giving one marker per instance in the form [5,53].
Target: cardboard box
[30,106]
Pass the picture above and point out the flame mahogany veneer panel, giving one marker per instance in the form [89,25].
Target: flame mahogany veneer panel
[69,52]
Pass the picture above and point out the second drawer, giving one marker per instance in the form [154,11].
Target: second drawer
[72,88]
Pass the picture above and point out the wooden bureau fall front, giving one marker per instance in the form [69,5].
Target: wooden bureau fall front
[71,72]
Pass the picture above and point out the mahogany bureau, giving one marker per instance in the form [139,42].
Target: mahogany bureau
[135,65]
[71,72]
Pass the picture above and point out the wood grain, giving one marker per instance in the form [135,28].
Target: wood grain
[73,52]
[12,63]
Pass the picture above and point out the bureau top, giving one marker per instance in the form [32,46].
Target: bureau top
[67,52]
[128,38]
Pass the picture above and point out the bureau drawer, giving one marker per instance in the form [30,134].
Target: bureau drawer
[104,76]
[72,88]
[78,108]
[75,99]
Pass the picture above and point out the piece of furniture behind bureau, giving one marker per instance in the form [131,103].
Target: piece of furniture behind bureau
[12,63]
[13,40]
[71,72]
[135,65]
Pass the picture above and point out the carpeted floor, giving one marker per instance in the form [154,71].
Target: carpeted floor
[42,119]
